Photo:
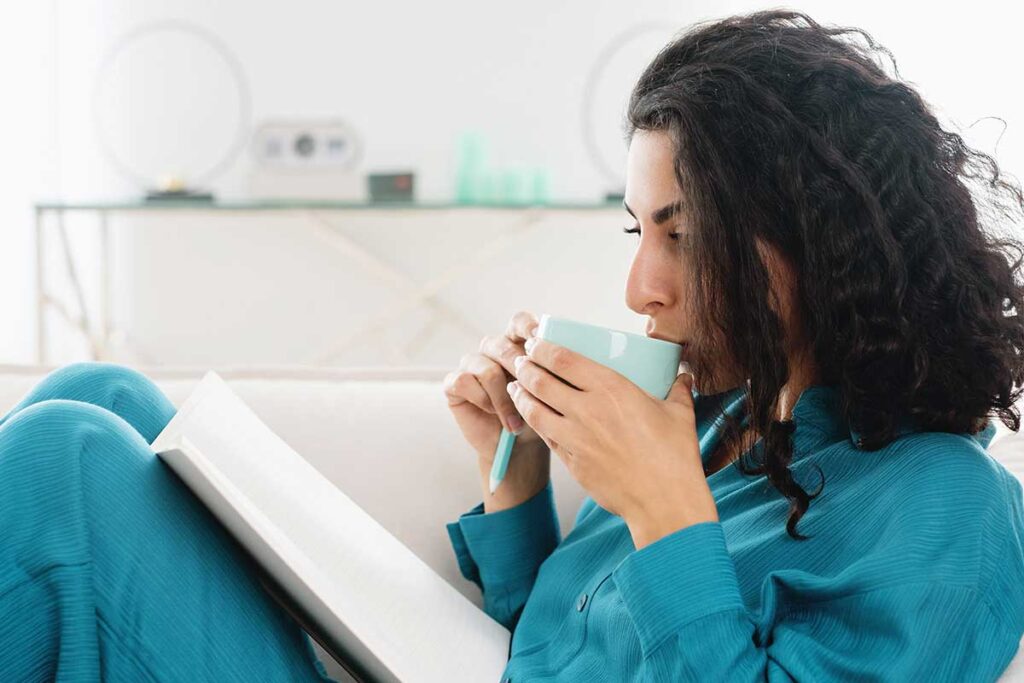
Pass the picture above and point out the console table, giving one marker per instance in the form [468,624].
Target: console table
[100,332]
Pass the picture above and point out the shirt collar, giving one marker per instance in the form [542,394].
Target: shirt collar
[819,422]
[817,416]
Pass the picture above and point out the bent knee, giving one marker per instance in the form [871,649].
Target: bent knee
[65,465]
[76,381]
[60,428]
[117,388]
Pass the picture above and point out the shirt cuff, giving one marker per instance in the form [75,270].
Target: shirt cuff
[676,580]
[495,548]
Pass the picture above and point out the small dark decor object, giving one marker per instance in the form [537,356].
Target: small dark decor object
[391,187]
[178,196]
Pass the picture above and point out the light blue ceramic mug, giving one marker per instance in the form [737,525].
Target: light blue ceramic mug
[652,364]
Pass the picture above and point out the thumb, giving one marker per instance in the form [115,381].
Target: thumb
[682,389]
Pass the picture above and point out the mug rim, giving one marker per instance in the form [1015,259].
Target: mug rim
[610,329]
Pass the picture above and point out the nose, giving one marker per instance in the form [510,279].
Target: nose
[650,285]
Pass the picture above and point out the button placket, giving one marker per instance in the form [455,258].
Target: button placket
[584,598]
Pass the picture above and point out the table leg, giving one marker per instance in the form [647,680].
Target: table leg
[82,321]
[105,289]
[40,290]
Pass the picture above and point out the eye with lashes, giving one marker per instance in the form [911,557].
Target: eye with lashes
[635,230]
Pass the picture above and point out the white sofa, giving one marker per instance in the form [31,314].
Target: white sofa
[386,438]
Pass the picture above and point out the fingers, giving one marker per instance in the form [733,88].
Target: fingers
[540,416]
[482,377]
[463,387]
[571,367]
[520,326]
[546,386]
[502,351]
[492,380]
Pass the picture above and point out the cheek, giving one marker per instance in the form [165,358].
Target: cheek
[681,278]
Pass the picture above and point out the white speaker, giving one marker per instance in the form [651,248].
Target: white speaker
[306,159]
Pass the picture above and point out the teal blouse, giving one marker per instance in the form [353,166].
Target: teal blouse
[914,570]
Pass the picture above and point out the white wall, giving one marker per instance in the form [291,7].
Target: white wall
[30,163]
[409,77]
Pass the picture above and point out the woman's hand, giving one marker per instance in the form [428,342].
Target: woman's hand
[476,390]
[636,455]
[478,400]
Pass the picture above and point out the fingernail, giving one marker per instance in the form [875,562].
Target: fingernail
[518,362]
[530,343]
[511,388]
[516,423]
[532,331]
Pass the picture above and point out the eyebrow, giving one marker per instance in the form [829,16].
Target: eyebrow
[661,215]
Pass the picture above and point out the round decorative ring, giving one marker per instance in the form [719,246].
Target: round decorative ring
[234,66]
[604,58]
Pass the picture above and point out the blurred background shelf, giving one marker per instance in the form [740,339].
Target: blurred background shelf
[301,205]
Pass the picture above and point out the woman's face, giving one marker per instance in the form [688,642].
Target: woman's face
[661,278]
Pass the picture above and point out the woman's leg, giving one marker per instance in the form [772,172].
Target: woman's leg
[121,390]
[110,566]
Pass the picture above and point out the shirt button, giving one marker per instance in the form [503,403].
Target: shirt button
[581,603]
[506,680]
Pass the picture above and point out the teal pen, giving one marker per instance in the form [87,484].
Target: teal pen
[501,456]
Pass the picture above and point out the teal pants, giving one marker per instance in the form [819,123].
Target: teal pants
[110,568]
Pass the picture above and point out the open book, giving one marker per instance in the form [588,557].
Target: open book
[372,603]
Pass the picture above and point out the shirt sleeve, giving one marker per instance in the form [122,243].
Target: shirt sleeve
[684,600]
[501,552]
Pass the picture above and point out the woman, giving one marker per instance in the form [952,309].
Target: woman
[845,320]
[806,231]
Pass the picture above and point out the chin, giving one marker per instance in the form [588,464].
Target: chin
[705,380]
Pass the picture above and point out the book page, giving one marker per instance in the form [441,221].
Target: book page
[386,607]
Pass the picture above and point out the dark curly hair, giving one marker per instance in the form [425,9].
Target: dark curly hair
[786,131]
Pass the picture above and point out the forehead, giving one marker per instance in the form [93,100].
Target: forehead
[650,174]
